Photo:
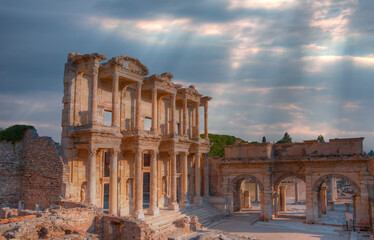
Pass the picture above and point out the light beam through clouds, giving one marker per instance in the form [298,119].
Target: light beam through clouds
[271,66]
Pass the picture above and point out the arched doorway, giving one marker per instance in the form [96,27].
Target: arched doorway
[334,198]
[289,196]
[247,195]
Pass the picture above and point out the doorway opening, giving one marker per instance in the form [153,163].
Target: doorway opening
[146,189]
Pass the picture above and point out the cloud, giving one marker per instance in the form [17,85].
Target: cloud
[261,4]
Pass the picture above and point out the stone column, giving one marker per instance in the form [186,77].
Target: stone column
[173,113]
[283,198]
[138,105]
[115,104]
[206,176]
[296,192]
[184,201]
[206,120]
[173,195]
[154,110]
[323,199]
[197,198]
[91,181]
[197,121]
[113,194]
[153,208]
[333,188]
[95,79]
[185,114]
[247,199]
[138,211]
[257,193]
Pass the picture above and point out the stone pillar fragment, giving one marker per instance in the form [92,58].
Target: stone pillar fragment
[184,201]
[95,76]
[138,205]
[247,199]
[283,202]
[257,193]
[173,196]
[197,198]
[115,104]
[113,182]
[91,181]
[296,192]
[323,199]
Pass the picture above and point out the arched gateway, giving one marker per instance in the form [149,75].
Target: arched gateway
[317,166]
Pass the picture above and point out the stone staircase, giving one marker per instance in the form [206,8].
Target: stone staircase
[163,225]
[206,213]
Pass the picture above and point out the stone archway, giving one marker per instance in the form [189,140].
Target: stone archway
[276,196]
[318,200]
[235,191]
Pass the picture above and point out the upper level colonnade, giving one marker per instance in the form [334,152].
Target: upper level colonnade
[117,96]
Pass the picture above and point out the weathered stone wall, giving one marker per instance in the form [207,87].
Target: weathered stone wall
[32,170]
[10,173]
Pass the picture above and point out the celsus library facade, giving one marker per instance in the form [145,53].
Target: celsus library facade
[132,142]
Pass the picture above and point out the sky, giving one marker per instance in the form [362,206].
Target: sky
[271,66]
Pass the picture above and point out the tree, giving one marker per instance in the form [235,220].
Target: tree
[320,139]
[219,142]
[263,139]
[371,153]
[286,139]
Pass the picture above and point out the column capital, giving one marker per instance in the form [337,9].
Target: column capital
[92,150]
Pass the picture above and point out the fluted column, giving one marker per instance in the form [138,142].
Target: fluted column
[115,104]
[154,110]
[173,114]
[184,201]
[283,198]
[91,183]
[138,105]
[138,213]
[185,112]
[113,185]
[206,176]
[95,76]
[153,208]
[173,195]
[197,198]
[206,120]
[197,121]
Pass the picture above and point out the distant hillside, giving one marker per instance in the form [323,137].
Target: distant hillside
[219,141]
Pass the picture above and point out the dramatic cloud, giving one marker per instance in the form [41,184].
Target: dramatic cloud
[271,66]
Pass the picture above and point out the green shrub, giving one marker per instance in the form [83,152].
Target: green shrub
[219,142]
[14,133]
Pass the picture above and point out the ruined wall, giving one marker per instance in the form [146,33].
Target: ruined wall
[32,170]
[10,173]
[215,176]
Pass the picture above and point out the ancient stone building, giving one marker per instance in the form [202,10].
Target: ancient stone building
[132,142]
[317,165]
[32,171]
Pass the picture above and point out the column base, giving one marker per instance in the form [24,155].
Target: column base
[197,200]
[173,206]
[184,203]
[139,214]
[154,212]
